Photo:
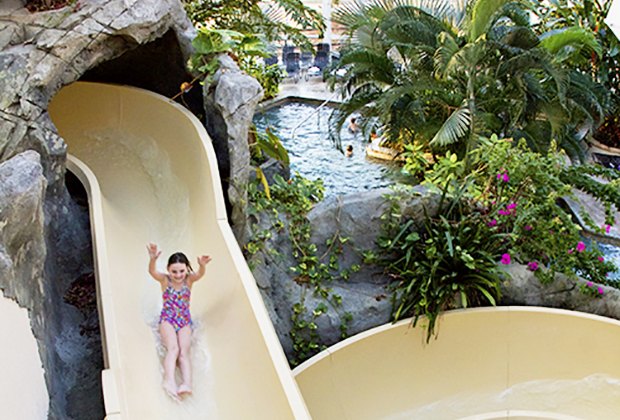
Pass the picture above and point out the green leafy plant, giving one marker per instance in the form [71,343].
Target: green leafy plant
[450,262]
[510,206]
[521,193]
[276,20]
[445,73]
[314,272]
[209,43]
[269,77]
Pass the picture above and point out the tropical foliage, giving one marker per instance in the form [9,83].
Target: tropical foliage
[451,262]
[509,206]
[558,15]
[523,193]
[445,73]
[275,20]
[561,15]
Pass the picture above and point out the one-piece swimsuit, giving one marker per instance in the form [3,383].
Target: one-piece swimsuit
[176,306]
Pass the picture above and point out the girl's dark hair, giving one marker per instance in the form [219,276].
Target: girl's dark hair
[179,257]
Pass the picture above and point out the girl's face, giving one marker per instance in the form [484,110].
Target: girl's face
[177,271]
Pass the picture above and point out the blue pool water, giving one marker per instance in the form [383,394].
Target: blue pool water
[313,154]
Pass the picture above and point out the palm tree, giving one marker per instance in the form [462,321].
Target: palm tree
[444,73]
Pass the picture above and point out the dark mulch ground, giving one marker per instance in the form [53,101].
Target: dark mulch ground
[43,5]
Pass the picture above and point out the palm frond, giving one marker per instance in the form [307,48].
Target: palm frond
[454,128]
[570,42]
[483,15]
[444,58]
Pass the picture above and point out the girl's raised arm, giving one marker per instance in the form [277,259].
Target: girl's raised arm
[154,253]
[203,260]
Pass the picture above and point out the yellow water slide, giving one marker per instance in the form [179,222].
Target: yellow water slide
[150,172]
[487,363]
[149,169]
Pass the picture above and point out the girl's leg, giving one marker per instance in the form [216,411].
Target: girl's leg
[169,338]
[185,340]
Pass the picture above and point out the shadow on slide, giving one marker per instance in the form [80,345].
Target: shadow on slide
[150,171]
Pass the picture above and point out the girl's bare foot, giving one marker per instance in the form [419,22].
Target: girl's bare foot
[184,389]
[171,390]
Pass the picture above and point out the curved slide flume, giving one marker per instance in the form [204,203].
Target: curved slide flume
[150,171]
[486,363]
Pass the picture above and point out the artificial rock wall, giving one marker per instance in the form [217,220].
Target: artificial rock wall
[45,251]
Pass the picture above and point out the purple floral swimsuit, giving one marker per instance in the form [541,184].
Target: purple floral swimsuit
[176,307]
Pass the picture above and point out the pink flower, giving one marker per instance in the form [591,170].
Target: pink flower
[492,223]
[601,259]
[527,227]
[589,284]
[570,251]
[581,246]
[600,290]
[532,266]
[607,228]
[511,206]
[505,259]
[503,176]
[504,212]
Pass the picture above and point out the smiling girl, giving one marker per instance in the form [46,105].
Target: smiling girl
[175,321]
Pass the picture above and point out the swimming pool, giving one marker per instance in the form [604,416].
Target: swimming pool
[304,133]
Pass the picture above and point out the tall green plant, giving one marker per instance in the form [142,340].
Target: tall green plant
[444,77]
[451,262]
[209,43]
[521,193]
[277,20]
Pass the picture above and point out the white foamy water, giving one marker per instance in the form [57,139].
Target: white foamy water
[593,397]
[202,371]
[125,152]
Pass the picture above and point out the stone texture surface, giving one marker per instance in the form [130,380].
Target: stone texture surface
[45,242]
[230,102]
[22,245]
[364,295]
[522,287]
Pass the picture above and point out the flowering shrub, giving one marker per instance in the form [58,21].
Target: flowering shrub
[505,204]
[451,262]
[591,289]
[520,193]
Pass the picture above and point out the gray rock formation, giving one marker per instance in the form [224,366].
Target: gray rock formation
[22,245]
[45,244]
[356,217]
[522,287]
[230,102]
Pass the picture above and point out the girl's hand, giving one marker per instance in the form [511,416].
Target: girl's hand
[204,260]
[153,251]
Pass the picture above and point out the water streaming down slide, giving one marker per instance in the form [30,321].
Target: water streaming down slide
[150,171]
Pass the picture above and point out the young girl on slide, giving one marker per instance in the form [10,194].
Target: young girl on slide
[175,321]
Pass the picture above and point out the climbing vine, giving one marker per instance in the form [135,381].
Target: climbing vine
[314,271]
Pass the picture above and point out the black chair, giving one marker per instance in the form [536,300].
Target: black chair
[286,50]
[321,60]
[322,47]
[292,64]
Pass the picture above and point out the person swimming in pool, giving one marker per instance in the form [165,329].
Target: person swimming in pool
[175,321]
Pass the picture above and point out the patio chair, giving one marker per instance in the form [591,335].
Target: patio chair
[292,65]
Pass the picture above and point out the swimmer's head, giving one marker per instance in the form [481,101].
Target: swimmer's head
[179,258]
